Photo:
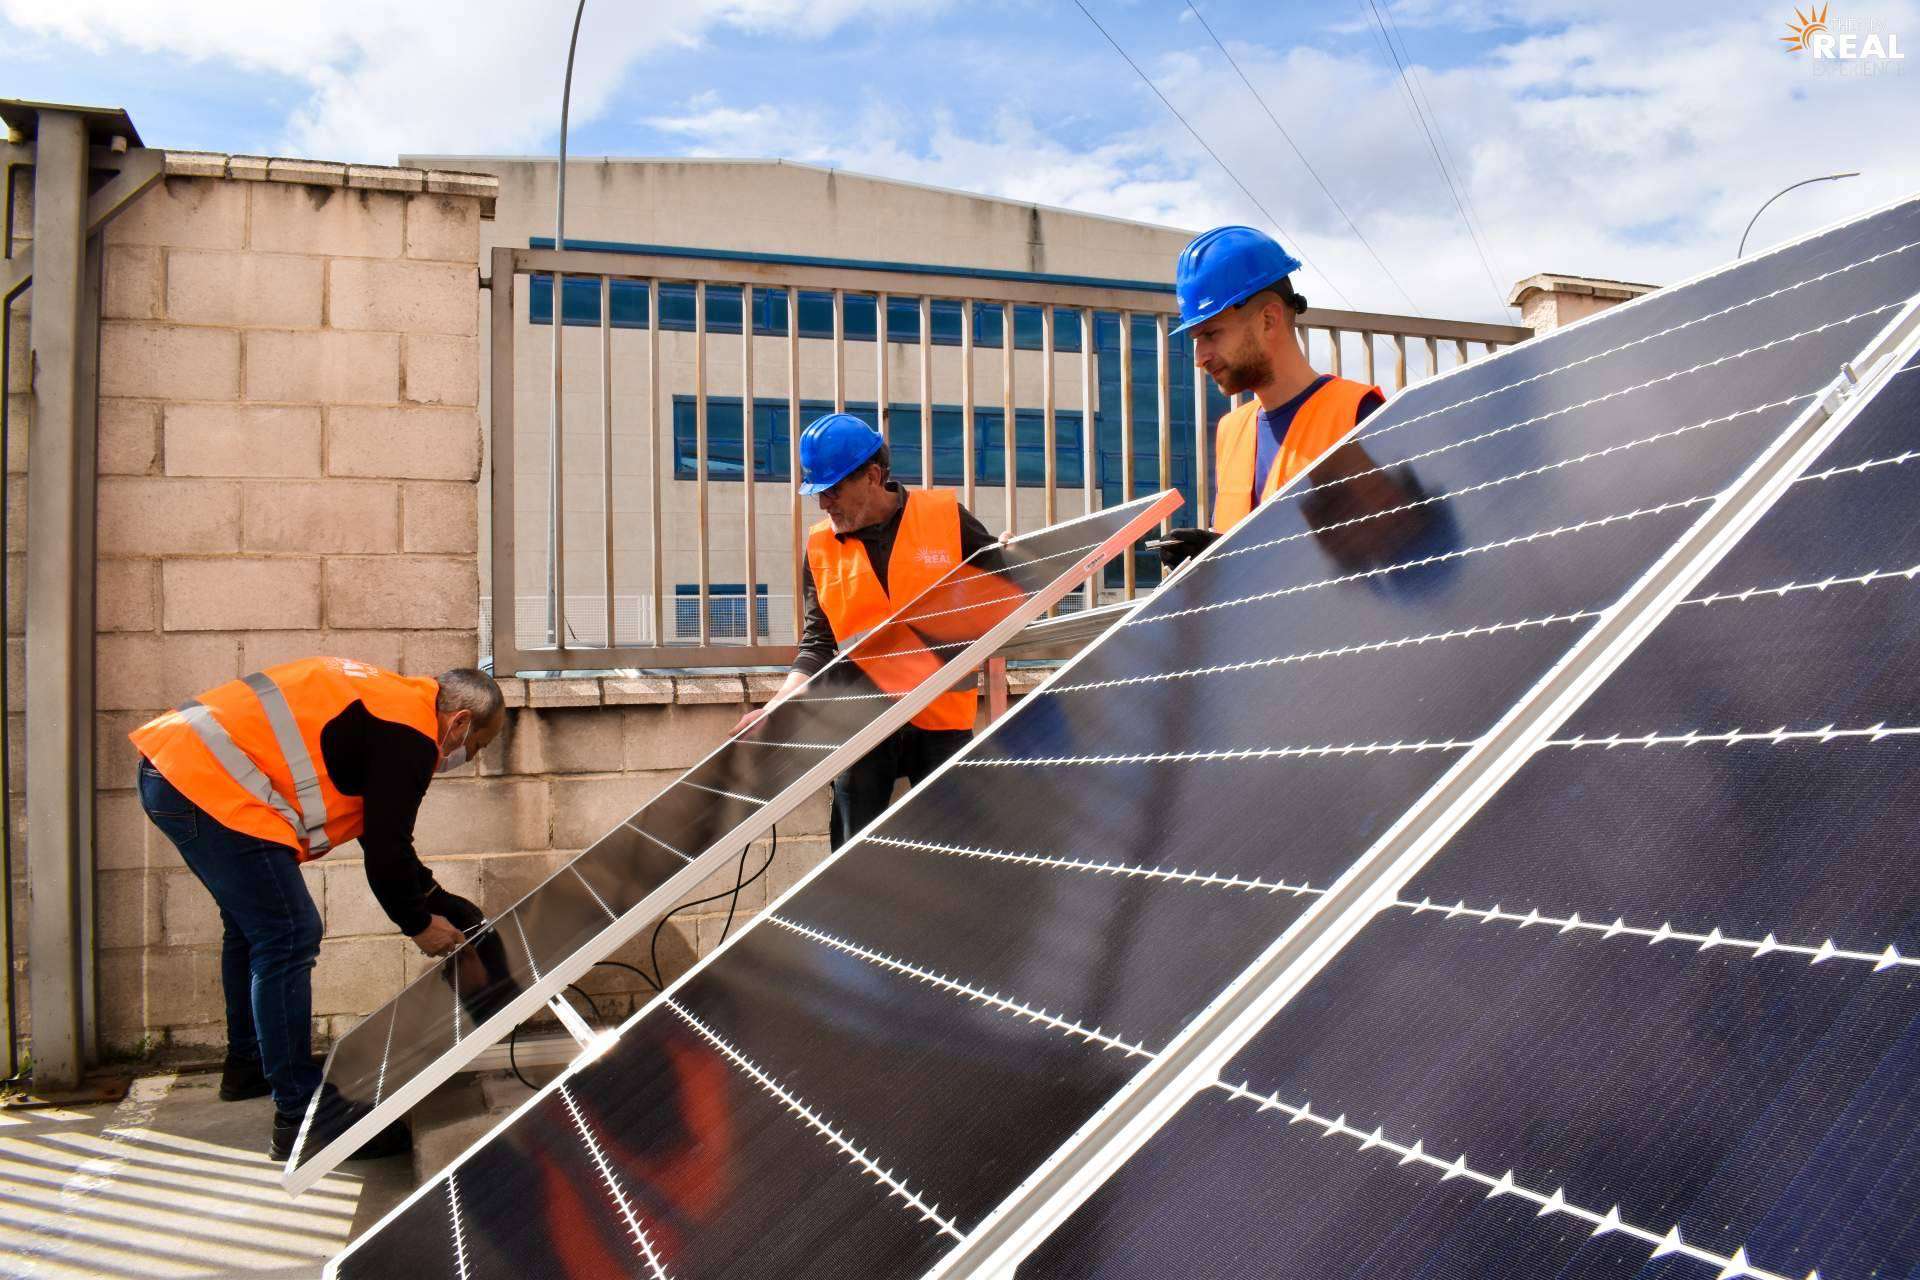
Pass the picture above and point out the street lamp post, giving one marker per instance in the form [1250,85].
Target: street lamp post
[1829,177]
[556,579]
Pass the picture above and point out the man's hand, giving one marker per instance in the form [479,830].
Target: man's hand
[1182,545]
[748,720]
[788,688]
[439,937]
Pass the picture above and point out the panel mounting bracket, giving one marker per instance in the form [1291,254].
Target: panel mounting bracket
[570,1019]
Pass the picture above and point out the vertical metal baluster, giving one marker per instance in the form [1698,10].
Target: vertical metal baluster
[700,449]
[926,393]
[1333,339]
[1203,445]
[839,351]
[1433,356]
[1048,412]
[1460,349]
[799,546]
[749,482]
[606,439]
[966,403]
[655,453]
[1399,361]
[1366,341]
[1164,406]
[882,408]
[1089,440]
[1129,570]
[556,482]
[1008,424]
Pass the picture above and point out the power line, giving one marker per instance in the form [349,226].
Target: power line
[1446,147]
[1210,151]
[1351,225]
[1446,177]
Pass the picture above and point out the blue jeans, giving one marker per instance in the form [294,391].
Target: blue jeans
[271,937]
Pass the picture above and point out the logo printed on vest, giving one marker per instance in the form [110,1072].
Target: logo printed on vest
[932,556]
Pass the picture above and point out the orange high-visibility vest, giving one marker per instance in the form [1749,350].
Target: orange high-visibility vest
[925,549]
[248,751]
[1328,414]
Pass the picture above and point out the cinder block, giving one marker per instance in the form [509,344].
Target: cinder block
[441,517]
[505,879]
[188,914]
[123,998]
[703,689]
[444,228]
[148,672]
[130,283]
[795,858]
[120,829]
[380,177]
[482,815]
[197,164]
[127,908]
[279,290]
[404,444]
[248,168]
[151,516]
[584,809]
[240,594]
[403,297]
[290,218]
[325,366]
[353,910]
[261,649]
[124,597]
[402,591]
[114,757]
[675,737]
[183,989]
[564,693]
[587,740]
[325,516]
[168,362]
[129,437]
[636,690]
[438,369]
[428,653]
[187,213]
[763,686]
[358,975]
[241,440]
[314,173]
[513,690]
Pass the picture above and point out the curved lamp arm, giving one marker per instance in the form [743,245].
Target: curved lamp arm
[1829,177]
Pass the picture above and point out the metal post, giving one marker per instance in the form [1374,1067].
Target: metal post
[1366,343]
[700,452]
[1399,361]
[606,440]
[656,452]
[1048,411]
[1333,341]
[1128,569]
[839,351]
[1433,356]
[881,408]
[1009,427]
[1203,445]
[966,403]
[506,578]
[556,482]
[926,392]
[799,546]
[1089,440]
[60,480]
[1164,406]
[748,480]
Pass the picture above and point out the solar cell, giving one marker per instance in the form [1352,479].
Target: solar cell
[976,990]
[1655,1006]
[623,882]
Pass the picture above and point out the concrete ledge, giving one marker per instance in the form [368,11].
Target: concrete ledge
[321,173]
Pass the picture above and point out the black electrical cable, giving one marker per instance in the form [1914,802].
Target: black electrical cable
[653,947]
[513,1037]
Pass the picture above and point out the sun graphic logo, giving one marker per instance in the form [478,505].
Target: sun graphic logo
[1811,24]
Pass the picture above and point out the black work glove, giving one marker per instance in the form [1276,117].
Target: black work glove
[1182,545]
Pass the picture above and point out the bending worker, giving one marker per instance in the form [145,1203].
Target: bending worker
[258,775]
[1237,299]
[878,548]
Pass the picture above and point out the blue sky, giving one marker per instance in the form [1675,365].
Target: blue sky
[1596,138]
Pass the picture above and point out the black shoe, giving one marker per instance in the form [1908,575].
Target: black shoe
[242,1078]
[286,1130]
[394,1140]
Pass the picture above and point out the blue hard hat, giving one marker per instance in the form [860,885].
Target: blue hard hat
[833,448]
[1224,267]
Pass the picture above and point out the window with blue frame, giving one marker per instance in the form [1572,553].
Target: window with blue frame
[726,456]
[726,610]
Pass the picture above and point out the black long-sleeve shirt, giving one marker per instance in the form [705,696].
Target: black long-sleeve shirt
[388,766]
[817,641]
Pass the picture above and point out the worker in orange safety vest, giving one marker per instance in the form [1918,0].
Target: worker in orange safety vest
[1238,301]
[258,775]
[879,547]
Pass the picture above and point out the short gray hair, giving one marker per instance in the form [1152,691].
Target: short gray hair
[472,690]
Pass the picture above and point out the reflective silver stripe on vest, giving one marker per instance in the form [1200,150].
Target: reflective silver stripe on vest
[235,761]
[306,778]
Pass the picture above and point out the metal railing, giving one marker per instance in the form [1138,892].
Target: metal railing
[651,586]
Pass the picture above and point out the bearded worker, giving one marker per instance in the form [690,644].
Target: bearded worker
[1238,301]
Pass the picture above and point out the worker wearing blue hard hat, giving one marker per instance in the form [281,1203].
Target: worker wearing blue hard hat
[1238,302]
[879,546]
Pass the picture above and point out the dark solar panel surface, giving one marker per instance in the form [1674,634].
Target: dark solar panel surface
[756,776]
[957,993]
[1670,973]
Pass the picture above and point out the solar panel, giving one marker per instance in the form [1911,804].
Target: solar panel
[1001,977]
[1655,1006]
[526,956]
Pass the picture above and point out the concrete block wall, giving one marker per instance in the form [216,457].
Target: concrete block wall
[290,464]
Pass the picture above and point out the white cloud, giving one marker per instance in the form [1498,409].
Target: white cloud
[427,75]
